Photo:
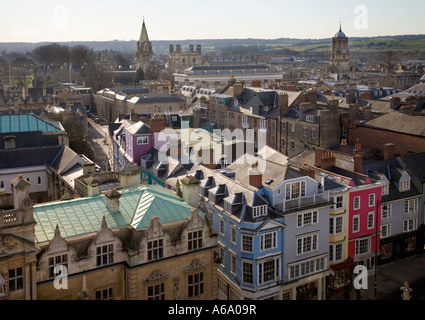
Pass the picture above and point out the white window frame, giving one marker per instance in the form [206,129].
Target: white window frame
[267,243]
[334,249]
[337,204]
[410,224]
[333,225]
[404,185]
[372,200]
[359,245]
[385,189]
[385,230]
[356,218]
[307,218]
[276,262]
[233,263]
[410,206]
[221,226]
[233,234]
[385,214]
[356,199]
[369,226]
[246,274]
[259,211]
[248,243]
[306,244]
[143,140]
[310,118]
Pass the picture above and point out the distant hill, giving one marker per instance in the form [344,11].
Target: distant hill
[400,42]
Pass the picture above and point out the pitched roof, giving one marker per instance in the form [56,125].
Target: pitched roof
[398,122]
[26,123]
[84,216]
[139,128]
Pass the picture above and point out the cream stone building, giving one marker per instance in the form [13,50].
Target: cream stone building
[137,243]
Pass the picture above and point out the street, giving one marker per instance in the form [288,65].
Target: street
[96,137]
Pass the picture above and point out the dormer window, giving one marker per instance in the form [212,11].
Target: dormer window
[404,185]
[227,207]
[311,119]
[259,211]
[385,189]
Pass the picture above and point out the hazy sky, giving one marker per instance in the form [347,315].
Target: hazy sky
[95,20]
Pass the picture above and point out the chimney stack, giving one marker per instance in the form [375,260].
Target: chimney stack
[255,176]
[20,188]
[389,151]
[358,157]
[324,159]
[113,200]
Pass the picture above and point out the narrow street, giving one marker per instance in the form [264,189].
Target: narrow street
[96,137]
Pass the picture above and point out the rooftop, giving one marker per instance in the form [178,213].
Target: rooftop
[27,123]
[137,206]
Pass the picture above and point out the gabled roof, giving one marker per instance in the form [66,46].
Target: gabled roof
[139,128]
[84,216]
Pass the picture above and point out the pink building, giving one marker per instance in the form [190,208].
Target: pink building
[139,140]
[364,220]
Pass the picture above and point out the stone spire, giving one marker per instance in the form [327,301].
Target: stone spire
[144,34]
[144,49]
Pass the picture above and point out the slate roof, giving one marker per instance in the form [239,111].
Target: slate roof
[414,164]
[272,175]
[84,216]
[398,122]
[139,128]
[16,158]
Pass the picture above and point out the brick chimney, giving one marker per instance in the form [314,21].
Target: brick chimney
[389,151]
[324,159]
[255,176]
[358,157]
[344,146]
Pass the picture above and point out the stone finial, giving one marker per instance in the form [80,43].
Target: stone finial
[104,223]
[57,231]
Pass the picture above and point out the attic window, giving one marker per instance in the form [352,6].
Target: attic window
[259,211]
[404,185]
[311,119]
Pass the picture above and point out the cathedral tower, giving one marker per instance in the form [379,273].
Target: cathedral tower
[340,56]
[144,50]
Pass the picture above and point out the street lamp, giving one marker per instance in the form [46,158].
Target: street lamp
[378,204]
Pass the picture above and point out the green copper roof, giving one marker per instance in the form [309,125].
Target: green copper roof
[26,123]
[82,216]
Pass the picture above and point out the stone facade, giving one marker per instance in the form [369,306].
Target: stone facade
[182,59]
[159,260]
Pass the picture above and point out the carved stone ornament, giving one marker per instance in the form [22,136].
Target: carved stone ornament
[196,265]
[156,276]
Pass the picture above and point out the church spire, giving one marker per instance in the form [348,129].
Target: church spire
[144,34]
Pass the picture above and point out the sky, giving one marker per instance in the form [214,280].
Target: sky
[106,20]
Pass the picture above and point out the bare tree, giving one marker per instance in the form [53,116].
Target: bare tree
[389,60]
[51,54]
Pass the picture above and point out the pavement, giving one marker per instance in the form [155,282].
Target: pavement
[391,277]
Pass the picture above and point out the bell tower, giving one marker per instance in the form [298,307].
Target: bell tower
[340,56]
[144,50]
